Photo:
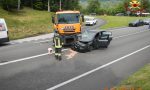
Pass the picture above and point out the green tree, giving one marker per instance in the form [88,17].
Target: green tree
[145,5]
[120,8]
[50,5]
[9,4]
[93,6]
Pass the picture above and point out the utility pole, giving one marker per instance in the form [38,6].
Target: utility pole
[60,5]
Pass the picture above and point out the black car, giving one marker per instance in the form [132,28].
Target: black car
[136,23]
[92,39]
[146,21]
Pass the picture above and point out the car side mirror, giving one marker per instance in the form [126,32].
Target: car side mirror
[53,20]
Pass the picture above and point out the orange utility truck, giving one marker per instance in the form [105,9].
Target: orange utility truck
[68,25]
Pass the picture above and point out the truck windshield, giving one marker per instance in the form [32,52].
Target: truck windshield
[68,18]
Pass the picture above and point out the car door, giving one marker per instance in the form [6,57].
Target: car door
[104,38]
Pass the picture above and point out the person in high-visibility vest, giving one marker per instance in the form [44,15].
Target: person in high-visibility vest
[58,46]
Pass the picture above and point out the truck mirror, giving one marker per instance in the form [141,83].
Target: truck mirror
[82,18]
[53,20]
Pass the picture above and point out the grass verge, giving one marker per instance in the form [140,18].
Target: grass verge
[117,21]
[27,22]
[140,79]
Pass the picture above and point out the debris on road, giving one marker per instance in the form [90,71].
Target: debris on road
[71,54]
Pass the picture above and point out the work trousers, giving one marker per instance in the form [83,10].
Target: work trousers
[57,51]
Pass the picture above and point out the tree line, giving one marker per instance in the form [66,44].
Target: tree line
[94,6]
[50,5]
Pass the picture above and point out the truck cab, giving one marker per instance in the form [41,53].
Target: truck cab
[68,24]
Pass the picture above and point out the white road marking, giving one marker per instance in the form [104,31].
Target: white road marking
[96,69]
[119,28]
[23,59]
[115,29]
[130,34]
[44,41]
[28,58]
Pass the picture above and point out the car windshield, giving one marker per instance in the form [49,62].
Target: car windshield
[89,19]
[68,18]
[87,35]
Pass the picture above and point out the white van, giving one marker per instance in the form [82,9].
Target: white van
[3,31]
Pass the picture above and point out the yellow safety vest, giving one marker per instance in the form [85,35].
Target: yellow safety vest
[57,42]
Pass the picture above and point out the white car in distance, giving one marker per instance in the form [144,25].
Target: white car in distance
[90,21]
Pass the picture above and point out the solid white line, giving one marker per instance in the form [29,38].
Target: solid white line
[116,29]
[94,70]
[130,34]
[27,58]
[119,28]
[23,59]
[44,41]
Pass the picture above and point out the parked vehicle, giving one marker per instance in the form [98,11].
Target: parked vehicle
[120,14]
[92,39]
[146,21]
[93,14]
[3,31]
[90,21]
[136,23]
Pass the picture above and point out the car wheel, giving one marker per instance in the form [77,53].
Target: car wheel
[90,48]
[107,44]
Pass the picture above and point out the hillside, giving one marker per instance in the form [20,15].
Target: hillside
[101,0]
[27,22]
[107,4]
[104,3]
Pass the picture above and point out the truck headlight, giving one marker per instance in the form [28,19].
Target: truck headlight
[62,28]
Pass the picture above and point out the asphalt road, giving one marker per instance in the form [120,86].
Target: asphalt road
[28,66]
